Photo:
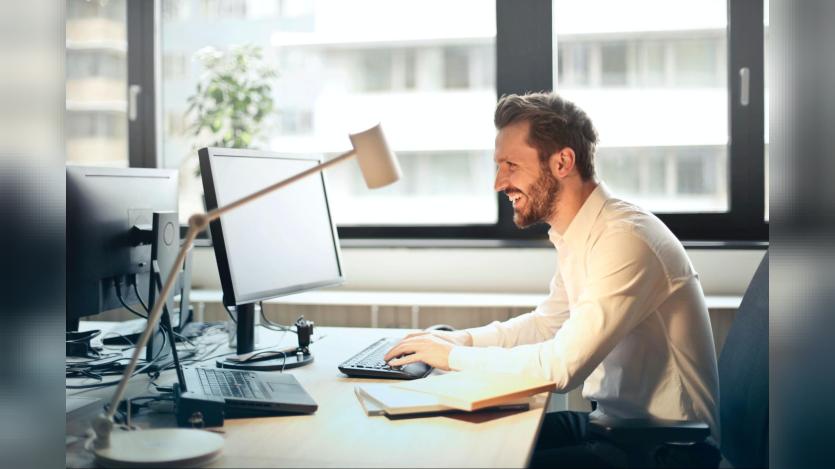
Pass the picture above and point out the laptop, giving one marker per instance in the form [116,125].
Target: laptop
[245,393]
[249,393]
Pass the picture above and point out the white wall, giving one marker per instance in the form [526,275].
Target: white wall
[723,272]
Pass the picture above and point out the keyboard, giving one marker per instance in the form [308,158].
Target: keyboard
[229,383]
[370,364]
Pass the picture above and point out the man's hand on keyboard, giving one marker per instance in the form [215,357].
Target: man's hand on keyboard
[426,348]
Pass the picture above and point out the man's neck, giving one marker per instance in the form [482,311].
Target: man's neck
[570,202]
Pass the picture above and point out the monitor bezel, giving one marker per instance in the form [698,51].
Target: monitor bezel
[207,156]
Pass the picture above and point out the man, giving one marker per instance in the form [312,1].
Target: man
[626,316]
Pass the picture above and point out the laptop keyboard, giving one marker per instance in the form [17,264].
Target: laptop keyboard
[229,383]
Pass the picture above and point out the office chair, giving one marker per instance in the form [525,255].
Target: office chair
[743,401]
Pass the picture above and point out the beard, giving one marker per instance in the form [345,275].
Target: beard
[541,201]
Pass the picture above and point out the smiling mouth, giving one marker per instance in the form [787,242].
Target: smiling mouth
[514,197]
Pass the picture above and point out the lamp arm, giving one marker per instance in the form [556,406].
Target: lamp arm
[153,318]
[103,424]
[216,213]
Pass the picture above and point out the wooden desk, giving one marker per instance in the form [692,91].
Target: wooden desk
[340,434]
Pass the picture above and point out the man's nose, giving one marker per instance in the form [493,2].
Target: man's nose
[501,182]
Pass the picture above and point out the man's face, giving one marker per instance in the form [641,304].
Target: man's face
[531,188]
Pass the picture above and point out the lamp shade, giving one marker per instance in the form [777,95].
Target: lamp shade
[377,162]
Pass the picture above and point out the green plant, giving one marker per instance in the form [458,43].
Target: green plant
[233,98]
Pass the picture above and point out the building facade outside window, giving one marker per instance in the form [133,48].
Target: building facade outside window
[656,88]
[662,89]
[429,78]
[96,83]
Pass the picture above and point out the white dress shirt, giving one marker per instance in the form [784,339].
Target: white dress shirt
[626,317]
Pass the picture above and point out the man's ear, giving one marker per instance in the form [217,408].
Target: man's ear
[562,162]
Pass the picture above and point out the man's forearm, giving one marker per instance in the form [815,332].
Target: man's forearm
[461,337]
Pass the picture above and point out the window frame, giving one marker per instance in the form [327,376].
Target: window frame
[524,62]
[143,67]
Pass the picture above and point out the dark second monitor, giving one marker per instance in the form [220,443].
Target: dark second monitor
[110,221]
[283,243]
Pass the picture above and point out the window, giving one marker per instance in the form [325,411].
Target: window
[657,87]
[663,90]
[96,83]
[221,9]
[376,69]
[653,63]
[613,63]
[175,123]
[456,68]
[696,62]
[409,67]
[338,70]
[175,66]
[658,92]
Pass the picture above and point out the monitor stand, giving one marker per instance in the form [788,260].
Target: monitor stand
[246,343]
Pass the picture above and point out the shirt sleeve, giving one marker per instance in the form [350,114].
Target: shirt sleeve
[537,326]
[625,282]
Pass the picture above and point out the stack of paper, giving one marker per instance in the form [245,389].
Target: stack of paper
[473,390]
[379,399]
[467,391]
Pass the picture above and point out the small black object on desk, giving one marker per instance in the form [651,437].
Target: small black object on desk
[271,360]
[79,344]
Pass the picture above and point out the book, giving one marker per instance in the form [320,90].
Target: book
[386,399]
[369,406]
[474,390]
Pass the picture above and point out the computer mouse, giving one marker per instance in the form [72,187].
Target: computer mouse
[439,327]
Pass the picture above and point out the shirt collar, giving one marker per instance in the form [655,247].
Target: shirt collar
[578,230]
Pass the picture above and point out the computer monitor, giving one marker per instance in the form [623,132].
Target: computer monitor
[104,248]
[283,243]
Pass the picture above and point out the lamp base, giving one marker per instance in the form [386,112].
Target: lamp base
[292,360]
[164,447]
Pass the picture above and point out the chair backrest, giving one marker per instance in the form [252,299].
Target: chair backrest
[743,378]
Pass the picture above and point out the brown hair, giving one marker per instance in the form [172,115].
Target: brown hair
[555,123]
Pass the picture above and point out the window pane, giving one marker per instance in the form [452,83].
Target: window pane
[340,69]
[613,63]
[695,62]
[655,85]
[654,64]
[456,67]
[96,121]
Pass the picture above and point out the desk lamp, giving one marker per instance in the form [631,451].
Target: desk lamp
[180,446]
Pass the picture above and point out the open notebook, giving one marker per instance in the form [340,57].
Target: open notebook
[386,399]
[474,390]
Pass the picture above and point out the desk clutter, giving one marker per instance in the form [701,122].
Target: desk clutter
[319,436]
[466,391]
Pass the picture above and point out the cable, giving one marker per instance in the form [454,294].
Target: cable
[118,285]
[109,383]
[206,353]
[273,326]
[230,313]
[268,350]
[121,336]
[138,296]
[144,306]
[135,373]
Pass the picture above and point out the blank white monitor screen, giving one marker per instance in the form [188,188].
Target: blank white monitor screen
[284,242]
